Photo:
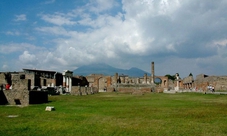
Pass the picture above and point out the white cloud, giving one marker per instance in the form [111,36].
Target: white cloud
[16,33]
[17,47]
[178,35]
[49,2]
[98,6]
[27,58]
[21,17]
[222,42]
[5,67]
[55,30]
[57,19]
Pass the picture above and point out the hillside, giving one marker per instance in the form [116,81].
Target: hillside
[102,68]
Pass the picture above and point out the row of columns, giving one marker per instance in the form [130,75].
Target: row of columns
[145,76]
[67,80]
[188,85]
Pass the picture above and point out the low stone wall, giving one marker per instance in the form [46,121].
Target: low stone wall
[21,95]
[24,97]
[17,97]
[83,90]
[219,82]
[137,88]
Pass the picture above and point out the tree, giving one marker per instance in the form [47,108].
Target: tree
[173,77]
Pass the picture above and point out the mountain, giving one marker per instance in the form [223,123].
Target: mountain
[102,68]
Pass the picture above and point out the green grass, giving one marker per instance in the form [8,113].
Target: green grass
[113,114]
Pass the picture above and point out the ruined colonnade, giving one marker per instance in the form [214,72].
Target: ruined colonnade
[67,80]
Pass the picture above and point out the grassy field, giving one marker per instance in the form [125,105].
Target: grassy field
[109,114]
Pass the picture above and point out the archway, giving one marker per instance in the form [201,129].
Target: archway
[162,81]
[158,81]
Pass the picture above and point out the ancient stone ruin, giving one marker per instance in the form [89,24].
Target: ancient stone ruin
[33,86]
[20,92]
[127,84]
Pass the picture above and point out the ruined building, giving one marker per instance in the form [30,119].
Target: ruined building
[33,86]
[20,92]
[202,81]
[124,83]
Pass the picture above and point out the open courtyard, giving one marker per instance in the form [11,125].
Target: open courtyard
[107,114]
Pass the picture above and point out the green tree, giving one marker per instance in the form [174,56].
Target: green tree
[171,77]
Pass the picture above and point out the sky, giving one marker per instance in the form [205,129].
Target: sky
[179,36]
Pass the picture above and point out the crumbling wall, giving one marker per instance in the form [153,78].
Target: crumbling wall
[20,93]
[17,97]
[78,90]
[130,88]
[219,82]
[2,79]
[30,76]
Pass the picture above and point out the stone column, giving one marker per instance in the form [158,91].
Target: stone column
[152,72]
[70,84]
[67,80]
[67,84]
[177,79]
[116,77]
[145,78]
[64,82]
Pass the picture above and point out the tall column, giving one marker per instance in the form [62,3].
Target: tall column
[152,72]
[116,77]
[138,80]
[145,78]
[67,84]
[64,81]
[177,79]
[70,84]
[67,80]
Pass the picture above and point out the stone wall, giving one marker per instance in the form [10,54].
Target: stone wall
[76,90]
[219,82]
[30,76]
[130,88]
[2,79]
[20,93]
[17,97]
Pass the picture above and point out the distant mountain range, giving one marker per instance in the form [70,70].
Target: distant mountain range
[102,68]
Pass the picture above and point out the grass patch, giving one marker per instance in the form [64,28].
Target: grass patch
[120,114]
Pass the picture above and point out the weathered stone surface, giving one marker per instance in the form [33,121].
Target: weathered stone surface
[2,79]
[20,93]
[50,108]
[17,97]
[76,90]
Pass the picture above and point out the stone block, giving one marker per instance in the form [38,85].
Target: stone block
[49,108]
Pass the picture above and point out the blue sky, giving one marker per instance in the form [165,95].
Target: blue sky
[180,36]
